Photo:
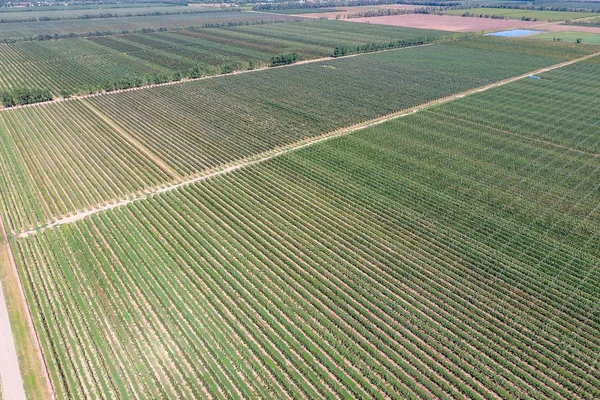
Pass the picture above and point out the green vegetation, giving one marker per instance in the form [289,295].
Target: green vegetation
[306,11]
[283,59]
[570,37]
[204,240]
[202,124]
[18,97]
[42,15]
[62,157]
[80,66]
[449,254]
[527,46]
[594,21]
[538,15]
[197,126]
[106,26]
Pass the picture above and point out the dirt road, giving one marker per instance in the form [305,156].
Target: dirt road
[10,374]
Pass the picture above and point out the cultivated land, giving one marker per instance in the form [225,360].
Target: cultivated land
[416,223]
[76,66]
[447,22]
[468,24]
[518,14]
[25,30]
[344,11]
[42,13]
[592,21]
[115,146]
[450,253]
[590,38]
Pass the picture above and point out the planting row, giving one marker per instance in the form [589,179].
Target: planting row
[424,258]
[202,124]
[60,158]
[41,30]
[197,126]
[78,66]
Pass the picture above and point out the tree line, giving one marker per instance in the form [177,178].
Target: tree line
[344,50]
[17,97]
[528,7]
[283,59]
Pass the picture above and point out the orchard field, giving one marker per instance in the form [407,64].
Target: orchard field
[29,30]
[116,10]
[114,146]
[452,253]
[87,65]
[183,214]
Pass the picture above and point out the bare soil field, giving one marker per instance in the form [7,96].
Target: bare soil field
[462,24]
[344,11]
[449,23]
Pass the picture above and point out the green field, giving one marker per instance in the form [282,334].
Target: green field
[99,11]
[79,66]
[448,254]
[201,125]
[284,105]
[594,21]
[29,30]
[62,157]
[518,14]
[570,37]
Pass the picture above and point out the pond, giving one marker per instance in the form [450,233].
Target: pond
[514,33]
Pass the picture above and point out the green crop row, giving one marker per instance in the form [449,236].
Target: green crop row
[64,157]
[260,111]
[432,256]
[40,30]
[104,63]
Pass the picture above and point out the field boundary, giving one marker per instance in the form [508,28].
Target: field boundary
[10,268]
[248,161]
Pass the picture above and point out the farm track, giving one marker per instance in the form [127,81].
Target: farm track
[292,147]
[11,380]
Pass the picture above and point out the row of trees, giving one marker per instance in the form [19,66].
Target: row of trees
[283,59]
[340,51]
[492,16]
[389,11]
[17,97]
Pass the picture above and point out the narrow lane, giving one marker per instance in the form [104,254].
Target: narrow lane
[10,374]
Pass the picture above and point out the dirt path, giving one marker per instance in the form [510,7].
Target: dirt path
[29,359]
[246,162]
[10,373]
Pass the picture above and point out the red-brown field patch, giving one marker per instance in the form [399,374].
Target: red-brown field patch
[449,23]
